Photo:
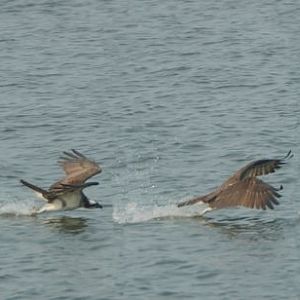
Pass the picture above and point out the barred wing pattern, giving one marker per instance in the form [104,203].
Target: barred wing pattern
[263,167]
[244,188]
[78,169]
[251,192]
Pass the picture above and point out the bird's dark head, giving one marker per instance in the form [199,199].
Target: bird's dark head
[92,204]
[97,205]
[87,203]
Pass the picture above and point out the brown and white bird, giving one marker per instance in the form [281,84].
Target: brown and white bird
[67,193]
[243,188]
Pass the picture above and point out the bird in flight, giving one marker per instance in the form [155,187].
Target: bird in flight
[67,193]
[243,188]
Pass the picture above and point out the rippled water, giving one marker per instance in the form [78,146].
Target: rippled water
[169,97]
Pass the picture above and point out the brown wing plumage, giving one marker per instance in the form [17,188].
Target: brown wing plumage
[78,169]
[205,199]
[251,192]
[244,189]
[262,167]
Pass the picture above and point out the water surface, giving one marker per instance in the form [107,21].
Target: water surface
[170,98]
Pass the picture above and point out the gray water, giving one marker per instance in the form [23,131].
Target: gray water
[170,97]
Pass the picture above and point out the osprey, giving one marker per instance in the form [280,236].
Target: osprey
[243,188]
[67,193]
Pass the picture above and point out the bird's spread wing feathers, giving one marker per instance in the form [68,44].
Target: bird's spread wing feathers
[262,167]
[251,192]
[243,188]
[201,199]
[78,169]
[77,163]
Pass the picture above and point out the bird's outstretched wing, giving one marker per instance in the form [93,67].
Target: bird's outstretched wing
[200,199]
[262,167]
[78,169]
[251,192]
[243,188]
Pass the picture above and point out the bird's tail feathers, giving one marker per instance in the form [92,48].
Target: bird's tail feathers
[34,187]
[202,199]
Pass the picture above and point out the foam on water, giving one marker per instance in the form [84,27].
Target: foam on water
[15,207]
[134,212]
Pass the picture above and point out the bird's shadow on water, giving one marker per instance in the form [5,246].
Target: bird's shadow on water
[250,227]
[66,224]
[62,223]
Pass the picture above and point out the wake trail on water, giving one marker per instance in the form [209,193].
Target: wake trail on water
[16,207]
[134,212]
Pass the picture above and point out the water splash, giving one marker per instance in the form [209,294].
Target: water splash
[133,212]
[15,207]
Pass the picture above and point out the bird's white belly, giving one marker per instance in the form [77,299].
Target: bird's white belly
[70,200]
[67,201]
